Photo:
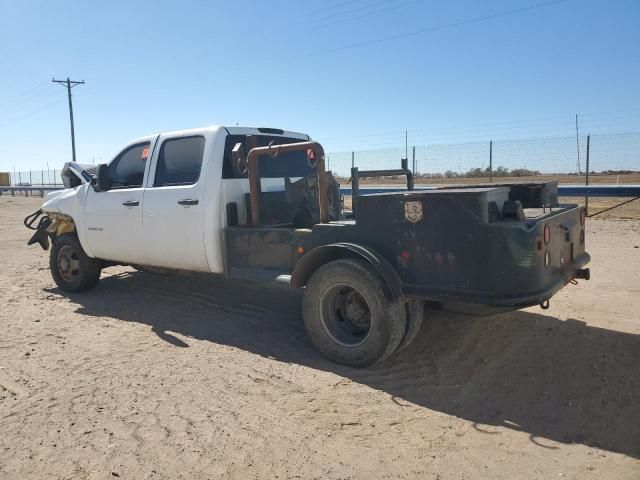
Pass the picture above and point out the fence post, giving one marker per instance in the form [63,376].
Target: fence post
[353,159]
[586,178]
[355,189]
[490,161]
[414,160]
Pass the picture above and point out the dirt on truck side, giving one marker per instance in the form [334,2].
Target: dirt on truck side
[155,376]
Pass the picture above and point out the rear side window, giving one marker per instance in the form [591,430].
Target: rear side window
[127,170]
[179,161]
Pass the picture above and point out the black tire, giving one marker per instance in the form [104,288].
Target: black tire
[70,267]
[415,315]
[349,316]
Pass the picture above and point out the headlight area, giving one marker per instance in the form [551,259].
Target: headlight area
[61,223]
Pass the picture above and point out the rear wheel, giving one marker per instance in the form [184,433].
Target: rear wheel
[348,315]
[71,268]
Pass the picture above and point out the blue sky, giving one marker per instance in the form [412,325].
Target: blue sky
[154,66]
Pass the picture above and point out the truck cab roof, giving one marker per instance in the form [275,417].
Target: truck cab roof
[231,130]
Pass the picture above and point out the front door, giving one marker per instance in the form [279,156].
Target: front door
[173,212]
[114,218]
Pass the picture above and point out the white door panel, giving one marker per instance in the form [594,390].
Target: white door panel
[174,204]
[113,219]
[113,222]
[173,227]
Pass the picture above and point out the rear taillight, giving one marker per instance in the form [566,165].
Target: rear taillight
[547,234]
[583,216]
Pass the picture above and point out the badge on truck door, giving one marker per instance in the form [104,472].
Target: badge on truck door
[413,211]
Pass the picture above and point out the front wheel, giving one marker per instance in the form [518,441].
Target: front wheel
[348,315]
[71,268]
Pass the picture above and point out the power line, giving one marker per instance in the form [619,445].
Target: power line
[26,100]
[70,84]
[28,92]
[381,147]
[566,130]
[440,27]
[32,113]
[367,14]
[601,119]
[332,7]
[358,9]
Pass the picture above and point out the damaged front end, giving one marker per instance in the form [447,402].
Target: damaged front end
[47,226]
[50,221]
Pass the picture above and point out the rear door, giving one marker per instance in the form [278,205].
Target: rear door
[173,212]
[113,218]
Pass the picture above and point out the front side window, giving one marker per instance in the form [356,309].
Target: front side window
[179,161]
[127,170]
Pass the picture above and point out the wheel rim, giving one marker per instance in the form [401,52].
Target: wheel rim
[68,263]
[345,315]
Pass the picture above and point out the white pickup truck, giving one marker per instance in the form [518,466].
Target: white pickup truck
[166,203]
[257,203]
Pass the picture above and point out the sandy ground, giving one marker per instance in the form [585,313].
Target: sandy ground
[152,376]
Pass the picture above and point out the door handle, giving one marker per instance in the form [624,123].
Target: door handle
[187,201]
[131,203]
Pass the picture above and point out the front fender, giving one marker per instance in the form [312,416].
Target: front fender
[68,204]
[314,259]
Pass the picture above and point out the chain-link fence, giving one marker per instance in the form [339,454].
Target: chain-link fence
[32,178]
[610,158]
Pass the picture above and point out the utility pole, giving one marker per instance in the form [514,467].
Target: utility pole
[70,84]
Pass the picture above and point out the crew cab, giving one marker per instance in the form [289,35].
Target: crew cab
[258,204]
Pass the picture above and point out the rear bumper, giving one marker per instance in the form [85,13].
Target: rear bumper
[479,302]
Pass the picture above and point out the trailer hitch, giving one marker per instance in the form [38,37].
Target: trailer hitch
[583,274]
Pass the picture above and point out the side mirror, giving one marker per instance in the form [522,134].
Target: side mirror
[102,181]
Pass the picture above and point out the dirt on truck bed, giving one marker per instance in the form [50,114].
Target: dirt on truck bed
[157,376]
